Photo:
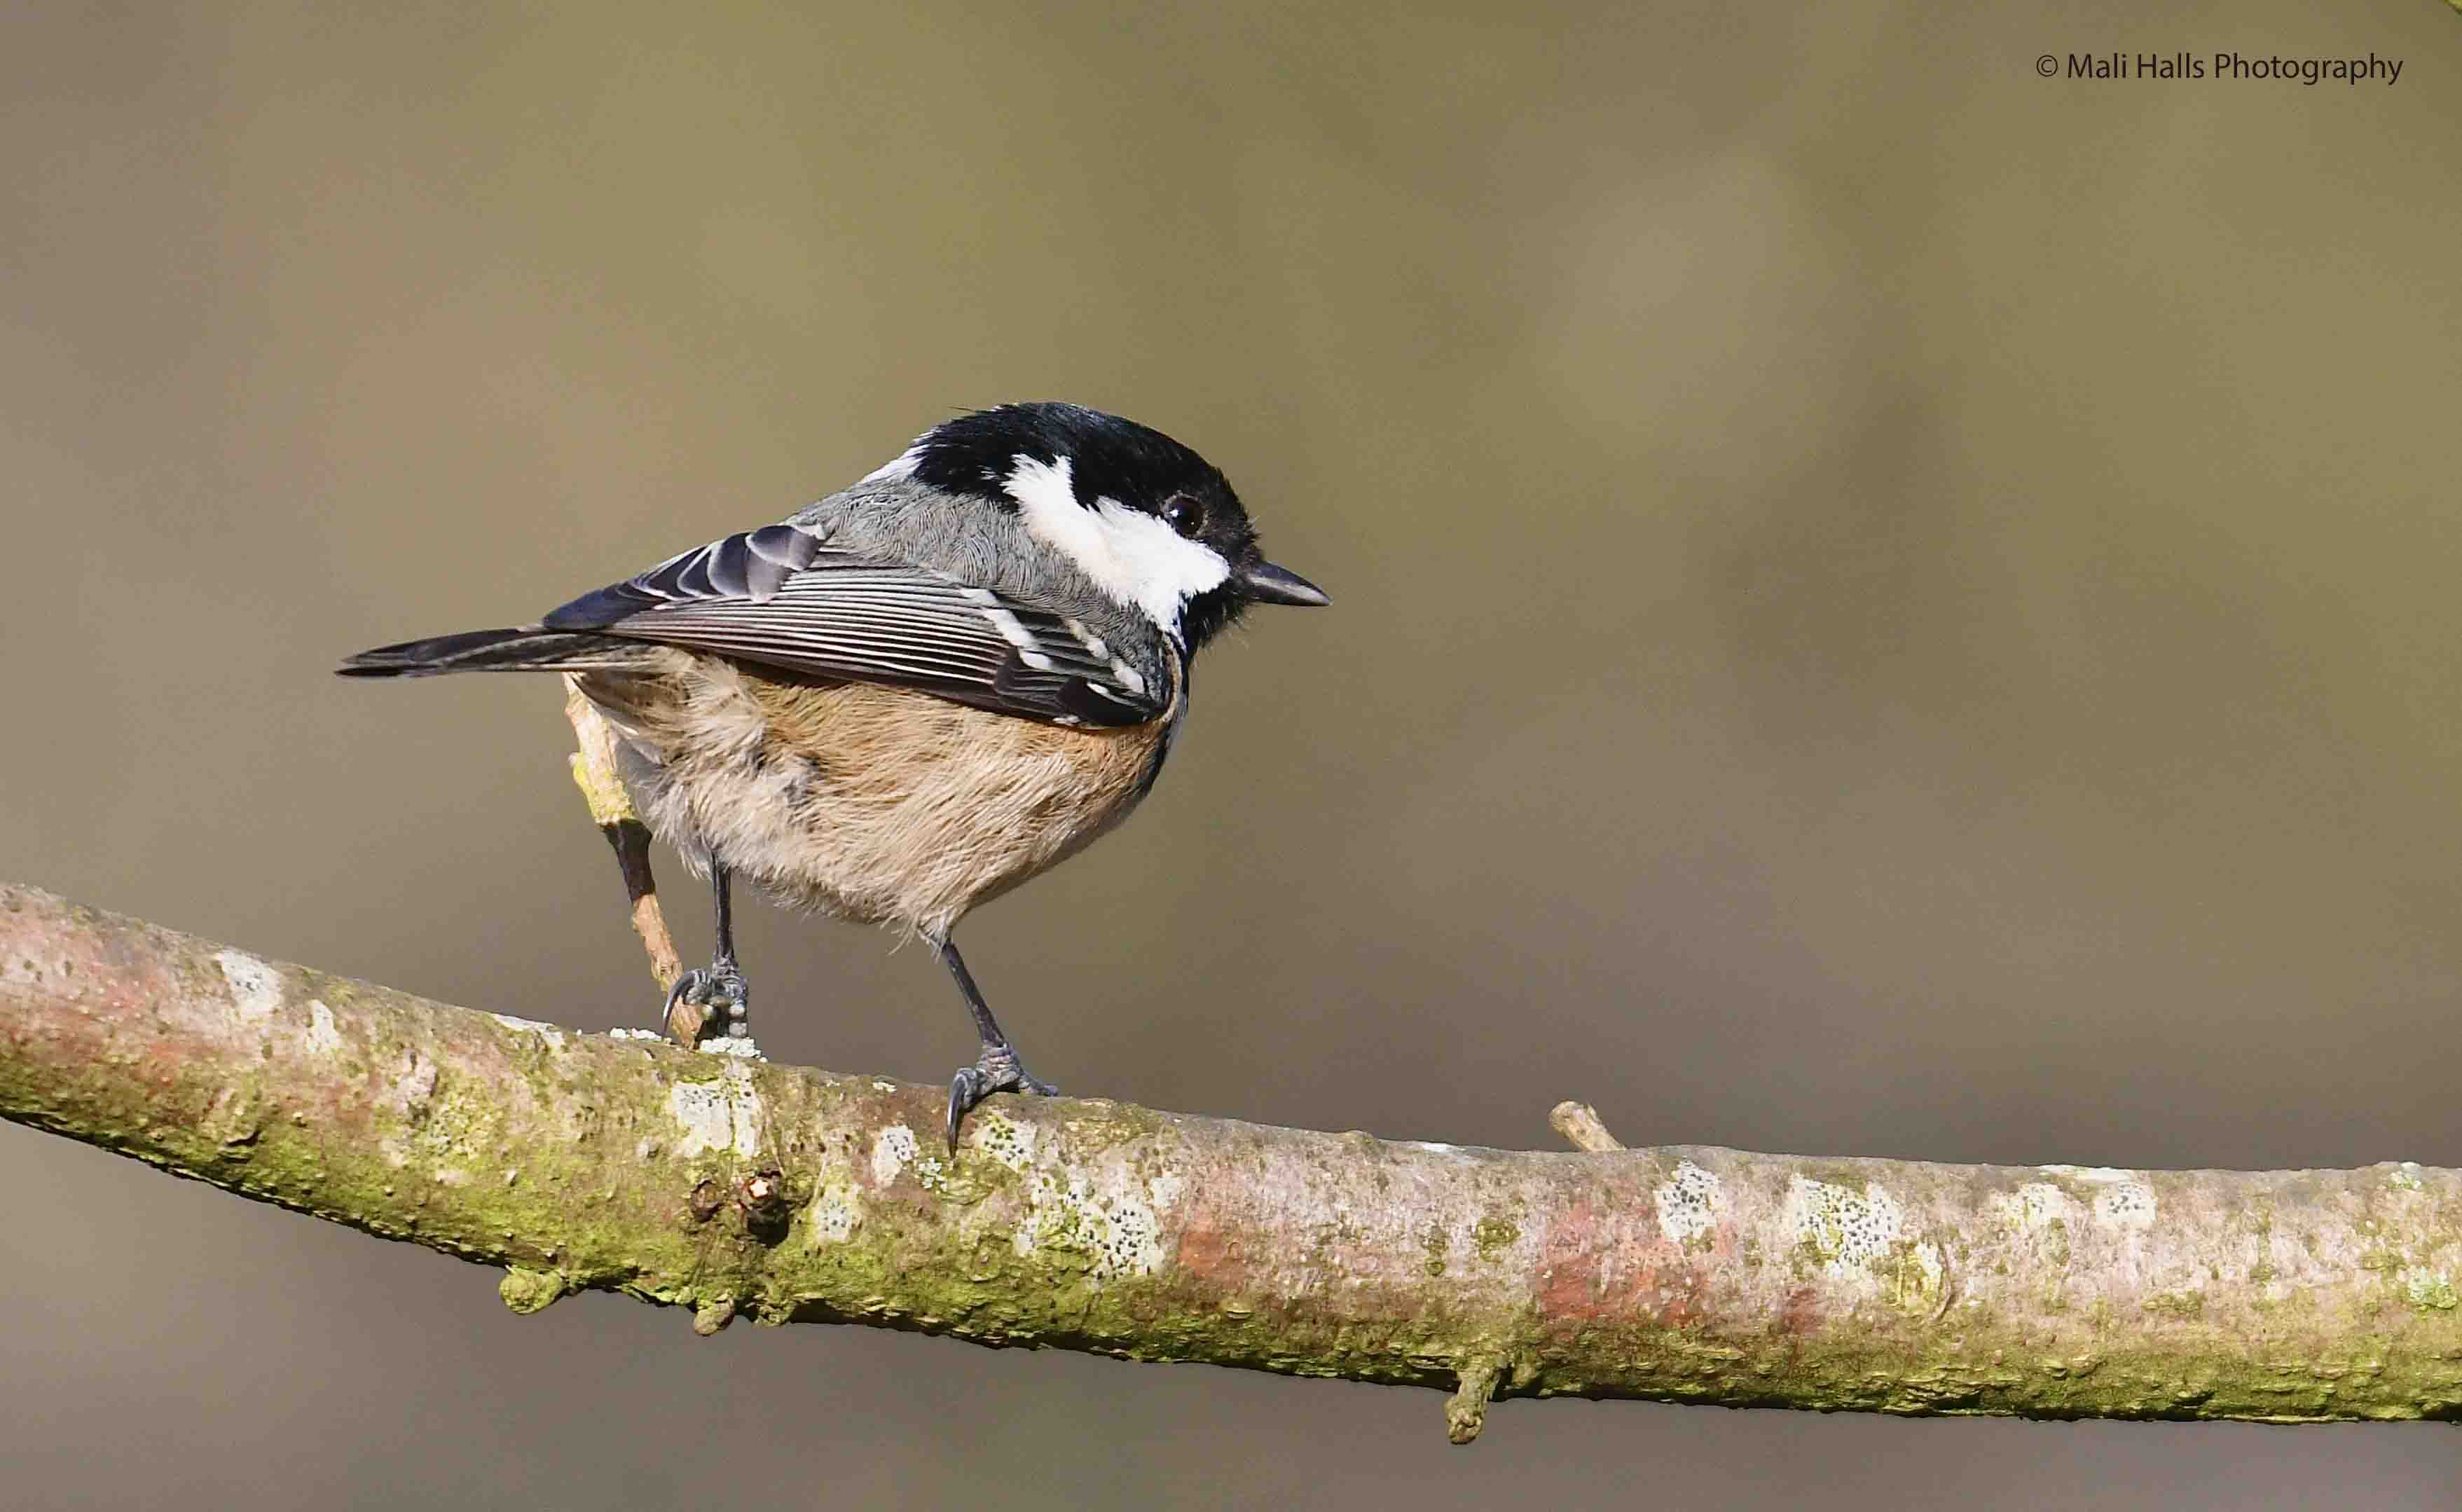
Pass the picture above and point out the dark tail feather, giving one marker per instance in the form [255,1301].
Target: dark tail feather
[528,649]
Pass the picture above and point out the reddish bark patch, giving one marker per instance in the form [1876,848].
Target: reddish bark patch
[1214,1253]
[1601,1264]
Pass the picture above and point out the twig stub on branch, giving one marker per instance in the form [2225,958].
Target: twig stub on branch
[1581,1128]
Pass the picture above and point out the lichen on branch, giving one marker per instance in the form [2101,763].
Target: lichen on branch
[734,1188]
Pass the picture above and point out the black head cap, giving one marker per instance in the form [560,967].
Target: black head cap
[1130,464]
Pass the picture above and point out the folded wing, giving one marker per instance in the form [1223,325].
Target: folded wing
[780,597]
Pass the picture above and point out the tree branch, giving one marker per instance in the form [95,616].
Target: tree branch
[1682,1274]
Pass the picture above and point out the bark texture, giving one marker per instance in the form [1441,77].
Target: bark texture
[733,1188]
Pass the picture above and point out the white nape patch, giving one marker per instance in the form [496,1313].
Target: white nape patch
[1136,558]
[256,986]
[897,469]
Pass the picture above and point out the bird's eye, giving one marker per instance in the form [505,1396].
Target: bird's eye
[1185,514]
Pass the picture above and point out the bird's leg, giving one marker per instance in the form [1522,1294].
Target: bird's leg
[718,988]
[997,1068]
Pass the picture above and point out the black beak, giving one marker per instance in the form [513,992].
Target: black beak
[1267,584]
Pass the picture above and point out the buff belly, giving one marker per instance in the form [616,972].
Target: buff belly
[868,803]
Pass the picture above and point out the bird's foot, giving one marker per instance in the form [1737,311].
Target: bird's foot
[997,1069]
[707,1002]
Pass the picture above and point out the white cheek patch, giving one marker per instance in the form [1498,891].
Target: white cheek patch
[1132,557]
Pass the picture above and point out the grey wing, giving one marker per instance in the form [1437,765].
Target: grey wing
[781,597]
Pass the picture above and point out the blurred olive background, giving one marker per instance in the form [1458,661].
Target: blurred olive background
[1883,605]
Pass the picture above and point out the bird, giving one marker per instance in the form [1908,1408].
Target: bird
[928,688]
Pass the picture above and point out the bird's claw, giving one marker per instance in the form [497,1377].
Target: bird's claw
[998,1070]
[707,1001]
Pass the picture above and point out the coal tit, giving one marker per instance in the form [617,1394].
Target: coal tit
[916,694]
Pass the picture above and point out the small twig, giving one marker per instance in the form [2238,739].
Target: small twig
[611,808]
[1580,1125]
[1466,1410]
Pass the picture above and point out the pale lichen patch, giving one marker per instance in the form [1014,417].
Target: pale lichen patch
[836,1210]
[256,986]
[2127,1205]
[20,970]
[1112,1217]
[2100,1175]
[1863,1237]
[323,1036]
[1688,1203]
[1841,1230]
[890,1151]
[1916,1282]
[548,1031]
[2430,1290]
[700,1110]
[410,1094]
[2034,1208]
[725,1114]
[2404,1176]
[1005,1140]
